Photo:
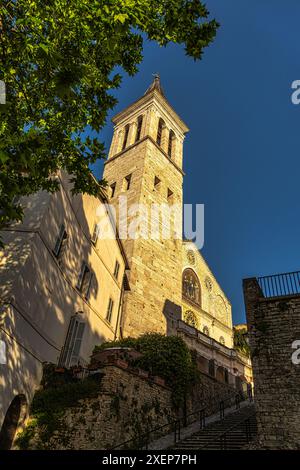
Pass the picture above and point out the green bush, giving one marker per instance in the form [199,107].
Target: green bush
[49,405]
[164,356]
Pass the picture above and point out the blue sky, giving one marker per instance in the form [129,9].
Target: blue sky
[241,156]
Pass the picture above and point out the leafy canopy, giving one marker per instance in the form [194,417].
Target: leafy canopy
[58,61]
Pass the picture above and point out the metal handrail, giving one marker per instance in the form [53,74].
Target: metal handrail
[176,423]
[246,421]
[280,285]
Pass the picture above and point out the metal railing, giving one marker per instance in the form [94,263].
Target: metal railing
[177,425]
[279,285]
[244,426]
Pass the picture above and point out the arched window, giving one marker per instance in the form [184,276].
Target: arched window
[171,143]
[139,128]
[160,127]
[206,331]
[222,340]
[125,136]
[191,286]
[190,318]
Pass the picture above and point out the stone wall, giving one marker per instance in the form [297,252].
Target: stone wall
[274,324]
[128,405]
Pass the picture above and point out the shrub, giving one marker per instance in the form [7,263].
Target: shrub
[165,356]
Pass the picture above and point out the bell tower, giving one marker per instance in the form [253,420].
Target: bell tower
[145,177]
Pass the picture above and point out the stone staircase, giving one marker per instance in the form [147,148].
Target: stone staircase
[212,436]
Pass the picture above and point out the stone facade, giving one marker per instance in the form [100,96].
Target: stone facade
[137,285]
[129,404]
[156,177]
[273,325]
[212,311]
[38,290]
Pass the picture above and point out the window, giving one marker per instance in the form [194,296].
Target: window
[112,189]
[191,286]
[127,182]
[222,340]
[109,310]
[139,128]
[211,367]
[125,136]
[226,377]
[70,354]
[170,194]
[96,232]
[117,268]
[206,331]
[85,280]
[159,131]
[60,241]
[156,182]
[171,143]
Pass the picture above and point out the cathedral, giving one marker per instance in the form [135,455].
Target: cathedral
[64,287]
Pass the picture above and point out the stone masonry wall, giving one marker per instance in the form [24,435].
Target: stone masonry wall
[128,405]
[274,324]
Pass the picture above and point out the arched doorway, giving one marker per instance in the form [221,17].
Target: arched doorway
[14,417]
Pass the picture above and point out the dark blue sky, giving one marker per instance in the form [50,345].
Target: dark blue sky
[241,156]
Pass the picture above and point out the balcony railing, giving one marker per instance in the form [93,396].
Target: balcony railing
[280,285]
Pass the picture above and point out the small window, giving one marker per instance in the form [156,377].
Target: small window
[156,182]
[170,194]
[117,268]
[222,340]
[125,136]
[159,131]
[112,189]
[70,354]
[139,128]
[127,182]
[226,377]
[60,241]
[85,280]
[95,235]
[206,331]
[171,143]
[109,310]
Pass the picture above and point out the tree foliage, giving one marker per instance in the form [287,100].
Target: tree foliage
[240,341]
[164,356]
[60,61]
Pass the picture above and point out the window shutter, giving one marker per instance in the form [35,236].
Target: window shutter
[81,275]
[89,287]
[75,357]
[59,240]
[71,351]
[95,235]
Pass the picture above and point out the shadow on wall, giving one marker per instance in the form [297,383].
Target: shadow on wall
[15,417]
[172,313]
[39,297]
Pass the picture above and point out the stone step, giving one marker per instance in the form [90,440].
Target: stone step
[210,437]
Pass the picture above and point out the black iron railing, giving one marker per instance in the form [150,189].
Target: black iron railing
[245,426]
[176,425]
[280,285]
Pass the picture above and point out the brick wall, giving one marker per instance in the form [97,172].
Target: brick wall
[273,326]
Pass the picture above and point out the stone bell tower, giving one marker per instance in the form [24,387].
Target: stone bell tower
[144,168]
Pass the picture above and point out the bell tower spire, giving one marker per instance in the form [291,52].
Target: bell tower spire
[155,85]
[144,168]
